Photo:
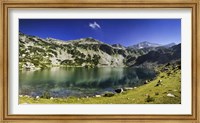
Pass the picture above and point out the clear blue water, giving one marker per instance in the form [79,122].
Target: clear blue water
[77,81]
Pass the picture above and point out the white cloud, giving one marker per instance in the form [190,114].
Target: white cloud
[94,25]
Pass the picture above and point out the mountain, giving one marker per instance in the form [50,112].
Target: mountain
[35,52]
[169,45]
[160,56]
[38,53]
[144,44]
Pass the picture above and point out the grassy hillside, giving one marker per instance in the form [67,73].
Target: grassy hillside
[165,89]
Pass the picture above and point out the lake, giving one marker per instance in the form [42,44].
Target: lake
[78,81]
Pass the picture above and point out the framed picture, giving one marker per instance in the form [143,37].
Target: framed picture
[100,60]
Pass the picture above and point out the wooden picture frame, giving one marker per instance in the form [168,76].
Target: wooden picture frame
[193,4]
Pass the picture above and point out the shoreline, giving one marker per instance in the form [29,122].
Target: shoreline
[152,92]
[64,66]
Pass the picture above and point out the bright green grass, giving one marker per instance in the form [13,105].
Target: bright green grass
[170,84]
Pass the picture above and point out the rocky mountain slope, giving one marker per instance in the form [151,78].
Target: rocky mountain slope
[37,53]
[160,56]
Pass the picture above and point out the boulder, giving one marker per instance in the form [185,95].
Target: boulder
[127,88]
[97,95]
[146,82]
[27,96]
[109,94]
[119,90]
[170,95]
[158,83]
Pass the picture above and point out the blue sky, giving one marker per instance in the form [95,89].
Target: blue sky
[112,31]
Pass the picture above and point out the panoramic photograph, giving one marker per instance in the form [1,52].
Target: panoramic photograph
[99,61]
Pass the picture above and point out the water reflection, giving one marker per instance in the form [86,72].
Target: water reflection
[71,81]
